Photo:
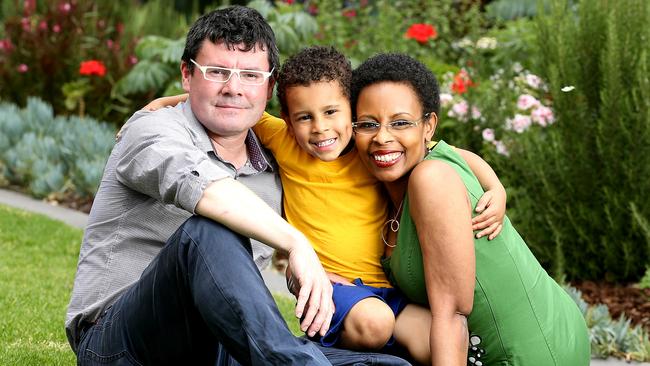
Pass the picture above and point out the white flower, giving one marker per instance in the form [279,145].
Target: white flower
[486,43]
[464,43]
[516,67]
[476,113]
[501,148]
[568,88]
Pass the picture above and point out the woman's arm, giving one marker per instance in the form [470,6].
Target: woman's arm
[441,211]
[492,205]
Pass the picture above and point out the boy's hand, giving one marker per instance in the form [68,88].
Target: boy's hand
[492,209]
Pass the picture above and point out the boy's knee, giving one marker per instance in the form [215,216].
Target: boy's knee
[368,325]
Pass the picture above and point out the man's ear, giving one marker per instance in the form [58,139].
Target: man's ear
[269,92]
[430,126]
[288,122]
[186,75]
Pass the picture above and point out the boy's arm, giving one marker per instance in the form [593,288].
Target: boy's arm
[163,102]
[492,205]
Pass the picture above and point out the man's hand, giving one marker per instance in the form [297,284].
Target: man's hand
[315,305]
[492,208]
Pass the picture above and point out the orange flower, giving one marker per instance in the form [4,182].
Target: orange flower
[461,82]
[422,32]
[92,67]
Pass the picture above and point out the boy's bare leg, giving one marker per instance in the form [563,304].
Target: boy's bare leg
[368,326]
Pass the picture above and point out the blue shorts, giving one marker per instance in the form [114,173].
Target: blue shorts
[345,297]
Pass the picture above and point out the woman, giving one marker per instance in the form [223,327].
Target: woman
[492,298]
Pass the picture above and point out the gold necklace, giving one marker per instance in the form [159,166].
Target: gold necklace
[393,225]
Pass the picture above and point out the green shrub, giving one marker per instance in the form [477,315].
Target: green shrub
[581,185]
[52,156]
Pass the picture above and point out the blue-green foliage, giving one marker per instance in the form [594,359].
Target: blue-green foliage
[52,155]
[610,337]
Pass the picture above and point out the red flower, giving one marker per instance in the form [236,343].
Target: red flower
[92,67]
[461,82]
[350,13]
[422,32]
[288,1]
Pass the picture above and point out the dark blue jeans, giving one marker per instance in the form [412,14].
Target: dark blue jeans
[202,301]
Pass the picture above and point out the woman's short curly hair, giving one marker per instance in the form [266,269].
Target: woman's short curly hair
[399,68]
[314,64]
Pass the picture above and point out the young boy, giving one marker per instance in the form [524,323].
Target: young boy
[331,197]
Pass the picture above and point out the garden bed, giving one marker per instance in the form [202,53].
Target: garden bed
[629,299]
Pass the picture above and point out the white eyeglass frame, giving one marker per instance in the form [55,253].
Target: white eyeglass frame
[204,69]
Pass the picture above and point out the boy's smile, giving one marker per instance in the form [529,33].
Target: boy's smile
[320,118]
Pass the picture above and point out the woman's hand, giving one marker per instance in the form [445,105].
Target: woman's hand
[492,209]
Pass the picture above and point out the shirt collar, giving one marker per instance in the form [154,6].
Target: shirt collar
[256,154]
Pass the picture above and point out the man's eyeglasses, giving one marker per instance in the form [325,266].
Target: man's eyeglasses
[370,127]
[223,74]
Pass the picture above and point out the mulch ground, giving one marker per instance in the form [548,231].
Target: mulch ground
[621,299]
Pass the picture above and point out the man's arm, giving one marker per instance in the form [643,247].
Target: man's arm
[235,206]
[160,161]
[492,205]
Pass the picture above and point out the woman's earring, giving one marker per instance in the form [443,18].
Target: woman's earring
[430,145]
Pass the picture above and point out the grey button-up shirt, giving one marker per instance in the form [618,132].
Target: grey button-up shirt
[153,179]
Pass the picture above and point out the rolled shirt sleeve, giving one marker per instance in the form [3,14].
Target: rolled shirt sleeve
[162,158]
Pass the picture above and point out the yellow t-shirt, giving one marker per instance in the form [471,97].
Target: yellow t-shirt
[338,205]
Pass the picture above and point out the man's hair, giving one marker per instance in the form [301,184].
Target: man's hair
[233,26]
[398,68]
[314,64]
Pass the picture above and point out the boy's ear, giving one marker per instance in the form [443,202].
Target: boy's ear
[288,122]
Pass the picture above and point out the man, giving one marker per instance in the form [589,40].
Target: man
[153,288]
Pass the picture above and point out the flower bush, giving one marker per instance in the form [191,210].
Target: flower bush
[46,41]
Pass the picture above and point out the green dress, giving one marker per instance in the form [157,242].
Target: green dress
[521,316]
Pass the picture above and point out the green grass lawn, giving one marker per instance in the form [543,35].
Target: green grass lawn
[38,258]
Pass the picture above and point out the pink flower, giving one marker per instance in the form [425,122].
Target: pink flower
[533,81]
[109,43]
[543,116]
[459,110]
[488,134]
[6,45]
[445,99]
[519,123]
[526,101]
[22,68]
[26,24]
[65,8]
[56,28]
[133,60]
[42,25]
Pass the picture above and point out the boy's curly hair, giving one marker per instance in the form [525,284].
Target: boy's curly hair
[398,68]
[314,64]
